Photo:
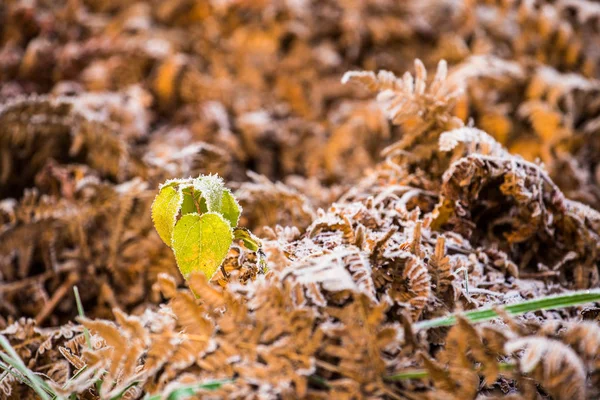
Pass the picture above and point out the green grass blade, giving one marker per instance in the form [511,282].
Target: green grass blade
[186,391]
[86,332]
[408,374]
[9,369]
[13,359]
[544,303]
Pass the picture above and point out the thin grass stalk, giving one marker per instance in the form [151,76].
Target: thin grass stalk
[13,359]
[487,313]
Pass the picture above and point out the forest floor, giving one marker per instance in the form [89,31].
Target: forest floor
[423,177]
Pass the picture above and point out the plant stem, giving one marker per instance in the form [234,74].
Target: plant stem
[86,332]
[488,313]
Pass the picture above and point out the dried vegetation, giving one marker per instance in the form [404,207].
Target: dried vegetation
[373,214]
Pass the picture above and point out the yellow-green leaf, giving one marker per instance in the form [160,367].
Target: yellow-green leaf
[230,209]
[164,212]
[188,206]
[251,242]
[211,187]
[201,242]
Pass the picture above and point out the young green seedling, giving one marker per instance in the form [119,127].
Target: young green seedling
[198,219]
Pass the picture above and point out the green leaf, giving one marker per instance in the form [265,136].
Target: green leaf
[188,205]
[164,212]
[251,242]
[201,242]
[230,209]
[212,188]
[203,207]
[193,202]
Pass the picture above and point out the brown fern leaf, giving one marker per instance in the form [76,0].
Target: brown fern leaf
[555,366]
[411,103]
[440,267]
[43,125]
[270,204]
[450,386]
[476,141]
[523,183]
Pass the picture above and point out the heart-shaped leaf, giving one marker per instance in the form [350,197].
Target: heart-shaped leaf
[164,212]
[201,242]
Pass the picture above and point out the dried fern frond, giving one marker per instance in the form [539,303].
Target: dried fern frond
[476,141]
[47,125]
[271,204]
[555,366]
[440,267]
[362,251]
[523,183]
[413,286]
[409,97]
